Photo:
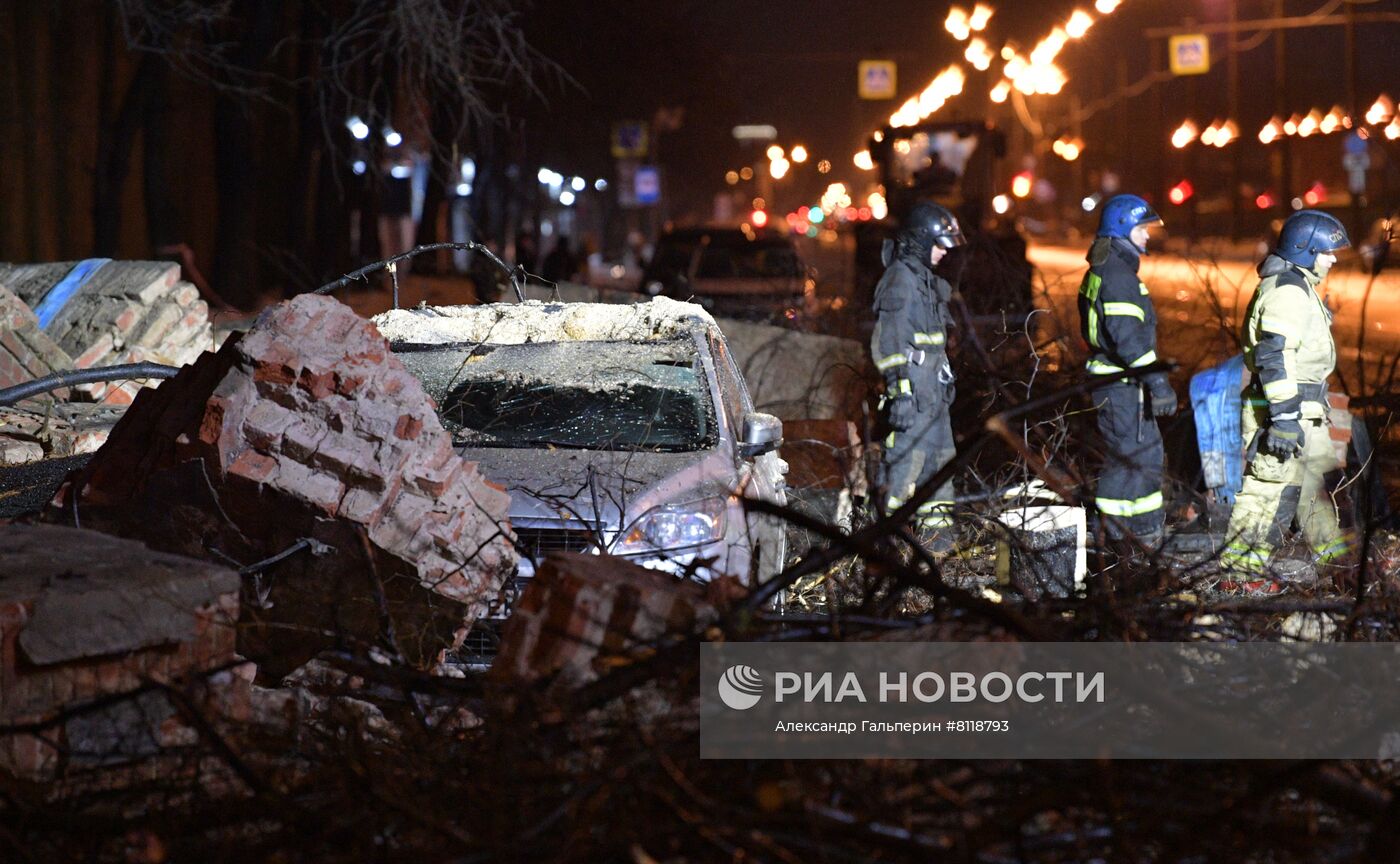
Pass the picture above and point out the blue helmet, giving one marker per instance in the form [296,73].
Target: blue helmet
[1308,233]
[1122,213]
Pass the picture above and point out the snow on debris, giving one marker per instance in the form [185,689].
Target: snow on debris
[534,321]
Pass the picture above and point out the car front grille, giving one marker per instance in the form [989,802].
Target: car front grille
[536,543]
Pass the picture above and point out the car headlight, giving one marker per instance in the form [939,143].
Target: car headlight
[675,526]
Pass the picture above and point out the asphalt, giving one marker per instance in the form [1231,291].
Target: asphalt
[25,489]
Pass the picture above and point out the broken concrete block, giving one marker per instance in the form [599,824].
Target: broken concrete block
[584,613]
[26,351]
[254,449]
[85,616]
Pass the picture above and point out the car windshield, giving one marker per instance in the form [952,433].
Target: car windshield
[588,395]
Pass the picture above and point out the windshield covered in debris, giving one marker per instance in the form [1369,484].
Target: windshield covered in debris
[587,395]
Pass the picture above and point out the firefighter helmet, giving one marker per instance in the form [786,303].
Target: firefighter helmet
[1309,233]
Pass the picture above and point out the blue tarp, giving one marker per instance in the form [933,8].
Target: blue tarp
[1215,400]
[59,295]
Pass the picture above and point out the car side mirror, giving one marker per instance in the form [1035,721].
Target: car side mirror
[763,433]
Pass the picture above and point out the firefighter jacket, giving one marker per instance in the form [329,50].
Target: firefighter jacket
[909,344]
[1116,316]
[1287,336]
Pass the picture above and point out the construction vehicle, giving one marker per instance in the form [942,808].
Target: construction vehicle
[955,164]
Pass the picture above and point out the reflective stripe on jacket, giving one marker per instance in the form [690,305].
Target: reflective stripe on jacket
[1116,316]
[1287,337]
[911,326]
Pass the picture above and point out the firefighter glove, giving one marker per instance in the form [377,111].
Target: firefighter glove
[901,412]
[1285,437]
[1163,397]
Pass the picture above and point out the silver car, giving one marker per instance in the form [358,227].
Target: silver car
[638,440]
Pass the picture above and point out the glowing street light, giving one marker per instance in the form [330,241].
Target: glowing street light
[957,23]
[774,152]
[1001,91]
[1380,111]
[731,177]
[358,128]
[824,166]
[863,161]
[1106,7]
[799,154]
[391,137]
[1001,204]
[578,184]
[1021,184]
[981,14]
[1392,131]
[1078,24]
[1290,126]
[778,168]
[1271,131]
[1184,134]
[979,54]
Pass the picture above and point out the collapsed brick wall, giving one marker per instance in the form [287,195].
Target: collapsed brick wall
[85,616]
[26,351]
[309,428]
[60,430]
[126,312]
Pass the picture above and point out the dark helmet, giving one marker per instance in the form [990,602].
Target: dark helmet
[1308,233]
[1122,213]
[926,226]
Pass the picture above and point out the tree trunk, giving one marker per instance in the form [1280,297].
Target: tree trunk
[163,224]
[114,143]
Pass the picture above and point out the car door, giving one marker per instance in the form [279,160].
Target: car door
[767,472]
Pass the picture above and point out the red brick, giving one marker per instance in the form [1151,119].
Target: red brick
[408,427]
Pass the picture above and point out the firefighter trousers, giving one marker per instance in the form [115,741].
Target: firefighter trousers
[911,457]
[1129,494]
[1275,492]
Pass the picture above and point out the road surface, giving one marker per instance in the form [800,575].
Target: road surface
[1200,302]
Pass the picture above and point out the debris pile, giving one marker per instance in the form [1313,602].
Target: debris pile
[533,321]
[85,616]
[100,313]
[308,437]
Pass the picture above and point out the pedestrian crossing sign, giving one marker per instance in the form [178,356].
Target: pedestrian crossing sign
[1189,54]
[876,79]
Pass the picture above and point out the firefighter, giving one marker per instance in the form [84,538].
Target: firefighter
[1119,324]
[1288,348]
[910,349]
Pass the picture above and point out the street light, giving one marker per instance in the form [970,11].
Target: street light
[1184,134]
[775,152]
[863,161]
[799,153]
[1078,24]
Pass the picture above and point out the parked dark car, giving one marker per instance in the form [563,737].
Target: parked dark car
[733,273]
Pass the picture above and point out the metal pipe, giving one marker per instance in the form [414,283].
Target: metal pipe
[20,392]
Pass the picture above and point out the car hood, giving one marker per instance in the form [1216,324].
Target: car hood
[553,484]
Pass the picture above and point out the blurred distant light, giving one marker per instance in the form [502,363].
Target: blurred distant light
[1310,124]
[981,14]
[778,168]
[1001,204]
[759,204]
[761,132]
[943,87]
[775,152]
[1208,135]
[1380,111]
[1227,132]
[566,198]
[1181,192]
[746,173]
[1007,52]
[600,184]
[1001,91]
[957,23]
[1290,126]
[1271,131]
[1316,194]
[1078,24]
[731,177]
[851,214]
[1021,184]
[1335,119]
[358,128]
[392,138]
[879,135]
[401,172]
[1106,7]
[815,215]
[1089,203]
[545,176]
[464,189]
[979,54]
[799,154]
[1264,201]
[358,166]
[1184,134]
[824,166]
[578,184]
[864,214]
[759,218]
[1296,203]
[863,161]
[1392,131]
[468,169]
[901,146]
[879,208]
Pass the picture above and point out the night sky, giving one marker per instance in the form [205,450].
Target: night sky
[793,64]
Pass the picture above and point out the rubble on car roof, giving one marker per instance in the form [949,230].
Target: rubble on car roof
[533,321]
